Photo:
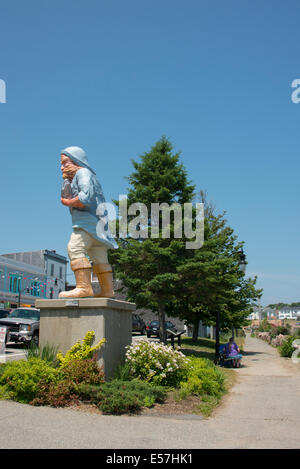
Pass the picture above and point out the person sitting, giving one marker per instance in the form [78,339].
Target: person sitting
[233,351]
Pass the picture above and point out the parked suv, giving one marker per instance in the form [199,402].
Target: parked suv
[153,328]
[4,313]
[138,324]
[23,325]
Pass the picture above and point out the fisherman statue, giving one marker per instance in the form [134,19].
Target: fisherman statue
[90,239]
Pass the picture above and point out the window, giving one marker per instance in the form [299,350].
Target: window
[35,288]
[60,272]
[15,282]
[52,270]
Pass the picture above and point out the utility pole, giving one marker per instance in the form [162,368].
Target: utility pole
[217,353]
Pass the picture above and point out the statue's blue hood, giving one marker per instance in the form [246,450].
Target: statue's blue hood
[78,156]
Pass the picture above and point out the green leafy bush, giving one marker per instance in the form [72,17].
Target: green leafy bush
[65,391]
[264,326]
[20,379]
[80,351]
[56,394]
[280,330]
[119,403]
[2,368]
[192,386]
[203,378]
[80,371]
[286,349]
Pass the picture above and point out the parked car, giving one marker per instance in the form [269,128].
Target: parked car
[23,325]
[153,328]
[138,324]
[4,313]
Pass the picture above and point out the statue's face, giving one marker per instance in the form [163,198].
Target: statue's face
[68,167]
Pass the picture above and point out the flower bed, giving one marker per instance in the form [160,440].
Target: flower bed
[150,372]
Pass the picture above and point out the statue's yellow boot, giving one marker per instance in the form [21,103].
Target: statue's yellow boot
[105,278]
[82,270]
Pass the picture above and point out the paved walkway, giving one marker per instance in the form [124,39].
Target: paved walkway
[261,411]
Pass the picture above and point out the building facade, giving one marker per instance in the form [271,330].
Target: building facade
[289,312]
[26,276]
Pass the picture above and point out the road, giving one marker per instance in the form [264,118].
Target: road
[261,411]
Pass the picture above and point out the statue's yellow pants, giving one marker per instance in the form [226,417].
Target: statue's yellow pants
[82,244]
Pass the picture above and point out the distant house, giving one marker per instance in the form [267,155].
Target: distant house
[257,314]
[289,312]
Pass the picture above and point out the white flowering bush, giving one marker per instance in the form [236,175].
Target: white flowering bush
[157,363]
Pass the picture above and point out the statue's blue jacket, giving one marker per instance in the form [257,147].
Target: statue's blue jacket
[91,219]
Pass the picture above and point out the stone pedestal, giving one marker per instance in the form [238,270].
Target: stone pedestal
[64,322]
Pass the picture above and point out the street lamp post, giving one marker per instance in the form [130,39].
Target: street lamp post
[217,352]
[27,290]
[242,266]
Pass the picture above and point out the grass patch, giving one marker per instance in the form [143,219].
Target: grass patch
[208,404]
[210,394]
[205,348]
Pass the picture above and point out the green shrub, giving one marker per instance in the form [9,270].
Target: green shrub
[2,368]
[122,372]
[210,382]
[65,391]
[286,349]
[264,326]
[56,394]
[280,330]
[119,397]
[119,403]
[88,392]
[20,378]
[81,351]
[203,378]
[192,386]
[83,371]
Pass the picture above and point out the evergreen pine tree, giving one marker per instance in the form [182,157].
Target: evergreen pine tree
[147,266]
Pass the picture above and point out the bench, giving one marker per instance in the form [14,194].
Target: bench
[223,360]
[174,335]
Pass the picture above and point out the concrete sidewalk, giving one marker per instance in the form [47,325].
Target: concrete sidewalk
[261,411]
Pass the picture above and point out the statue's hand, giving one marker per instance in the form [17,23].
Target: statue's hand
[66,202]
[72,202]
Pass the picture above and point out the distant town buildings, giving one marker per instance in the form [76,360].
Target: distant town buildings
[26,276]
[286,312]
[289,312]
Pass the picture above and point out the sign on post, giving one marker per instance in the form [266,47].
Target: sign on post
[2,340]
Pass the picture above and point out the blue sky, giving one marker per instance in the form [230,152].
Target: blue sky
[114,76]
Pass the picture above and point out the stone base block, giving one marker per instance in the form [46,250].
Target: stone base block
[64,322]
